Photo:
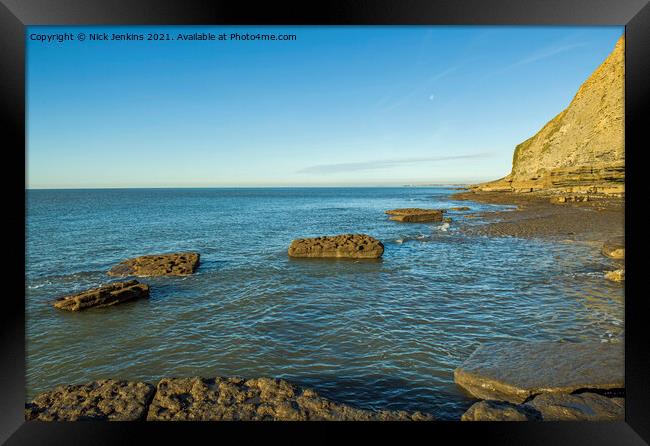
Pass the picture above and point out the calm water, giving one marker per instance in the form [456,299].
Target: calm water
[376,334]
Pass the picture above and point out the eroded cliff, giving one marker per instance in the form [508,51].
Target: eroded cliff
[581,150]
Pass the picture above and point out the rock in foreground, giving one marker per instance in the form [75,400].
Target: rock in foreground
[614,248]
[550,407]
[357,246]
[174,264]
[491,410]
[108,400]
[261,399]
[104,296]
[416,215]
[579,407]
[516,370]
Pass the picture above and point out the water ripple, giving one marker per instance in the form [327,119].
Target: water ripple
[383,334]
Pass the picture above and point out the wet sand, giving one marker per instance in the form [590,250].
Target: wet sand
[596,220]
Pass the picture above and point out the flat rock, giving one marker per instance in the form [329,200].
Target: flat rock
[491,410]
[416,215]
[516,370]
[108,400]
[214,399]
[104,296]
[358,246]
[617,275]
[614,248]
[578,407]
[460,208]
[172,264]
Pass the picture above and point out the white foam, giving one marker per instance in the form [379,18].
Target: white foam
[443,227]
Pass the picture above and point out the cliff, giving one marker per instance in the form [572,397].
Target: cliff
[581,150]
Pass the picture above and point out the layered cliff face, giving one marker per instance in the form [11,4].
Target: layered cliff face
[581,150]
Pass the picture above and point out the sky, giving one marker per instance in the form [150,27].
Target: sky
[337,106]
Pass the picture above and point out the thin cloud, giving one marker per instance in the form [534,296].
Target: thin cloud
[383,164]
[417,90]
[543,54]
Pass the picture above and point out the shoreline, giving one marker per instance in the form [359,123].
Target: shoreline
[594,221]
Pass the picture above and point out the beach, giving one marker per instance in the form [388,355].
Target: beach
[593,221]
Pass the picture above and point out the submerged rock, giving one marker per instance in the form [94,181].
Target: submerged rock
[550,407]
[491,410]
[578,407]
[215,399]
[109,400]
[516,370]
[416,215]
[104,296]
[173,264]
[617,275]
[460,208]
[614,248]
[358,246]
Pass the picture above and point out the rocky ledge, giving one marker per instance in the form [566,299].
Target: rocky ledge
[199,399]
[562,199]
[550,407]
[108,400]
[357,246]
[173,264]
[416,215]
[516,371]
[104,296]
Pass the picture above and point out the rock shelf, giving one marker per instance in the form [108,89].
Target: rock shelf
[199,399]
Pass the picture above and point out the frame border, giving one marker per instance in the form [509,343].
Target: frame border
[15,15]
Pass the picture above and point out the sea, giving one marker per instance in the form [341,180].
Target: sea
[375,334]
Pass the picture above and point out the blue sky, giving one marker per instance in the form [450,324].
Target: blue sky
[338,106]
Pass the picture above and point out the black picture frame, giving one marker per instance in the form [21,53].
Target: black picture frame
[15,15]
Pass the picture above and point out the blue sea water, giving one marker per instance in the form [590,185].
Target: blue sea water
[384,334]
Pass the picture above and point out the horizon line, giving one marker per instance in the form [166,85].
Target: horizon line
[249,187]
